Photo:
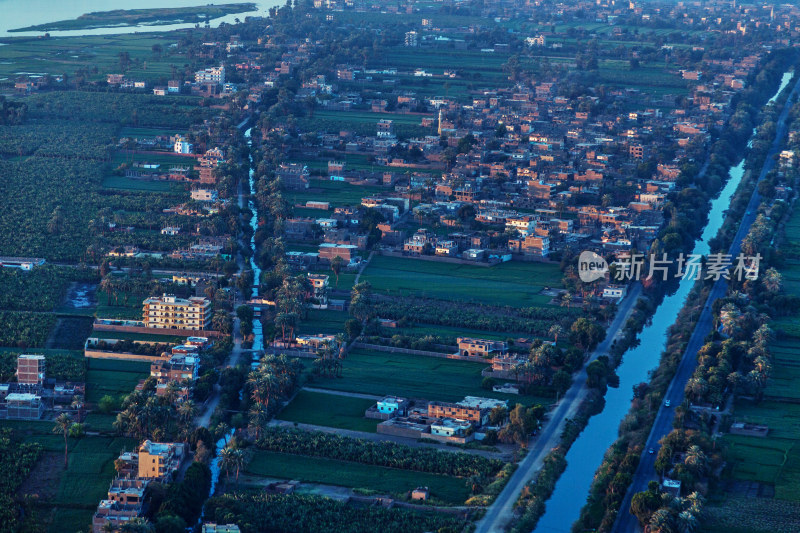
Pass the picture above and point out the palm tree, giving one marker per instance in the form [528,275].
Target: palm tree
[772,280]
[697,388]
[336,266]
[566,300]
[661,522]
[696,459]
[555,331]
[63,423]
[687,522]
[729,317]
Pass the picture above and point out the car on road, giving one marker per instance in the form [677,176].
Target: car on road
[667,403]
[651,451]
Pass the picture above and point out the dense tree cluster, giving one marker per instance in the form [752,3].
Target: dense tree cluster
[16,461]
[391,454]
[256,511]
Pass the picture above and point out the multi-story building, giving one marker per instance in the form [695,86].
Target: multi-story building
[211,75]
[293,176]
[329,250]
[412,38]
[22,405]
[319,285]
[30,369]
[471,408]
[113,513]
[157,460]
[481,347]
[170,312]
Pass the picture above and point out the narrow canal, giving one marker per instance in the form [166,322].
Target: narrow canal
[586,454]
[258,334]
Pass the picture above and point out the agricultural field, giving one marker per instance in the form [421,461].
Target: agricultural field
[516,284]
[338,193]
[129,307]
[68,497]
[131,184]
[165,159]
[413,376]
[774,459]
[330,410]
[355,475]
[751,515]
[66,141]
[94,55]
[115,378]
[324,320]
[364,122]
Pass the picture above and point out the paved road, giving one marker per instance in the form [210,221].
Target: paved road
[500,512]
[626,522]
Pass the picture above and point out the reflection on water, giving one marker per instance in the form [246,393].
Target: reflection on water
[586,454]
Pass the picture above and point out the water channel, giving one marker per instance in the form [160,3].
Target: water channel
[586,454]
[258,334]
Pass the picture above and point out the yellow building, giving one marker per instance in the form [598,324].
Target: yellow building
[157,460]
[170,312]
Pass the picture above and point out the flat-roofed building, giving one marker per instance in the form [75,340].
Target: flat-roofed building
[170,312]
[30,369]
[472,409]
[220,528]
[157,460]
[472,347]
[22,406]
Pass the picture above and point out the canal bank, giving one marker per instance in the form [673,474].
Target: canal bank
[587,452]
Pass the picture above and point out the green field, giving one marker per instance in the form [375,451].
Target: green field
[66,55]
[515,283]
[330,410]
[165,159]
[324,321]
[86,480]
[446,331]
[131,310]
[116,378]
[131,184]
[338,193]
[786,361]
[355,475]
[774,460]
[413,376]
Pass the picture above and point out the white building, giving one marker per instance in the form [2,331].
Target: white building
[182,146]
[211,75]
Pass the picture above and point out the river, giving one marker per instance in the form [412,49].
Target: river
[18,14]
[586,453]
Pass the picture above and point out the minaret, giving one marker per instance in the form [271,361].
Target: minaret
[441,119]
